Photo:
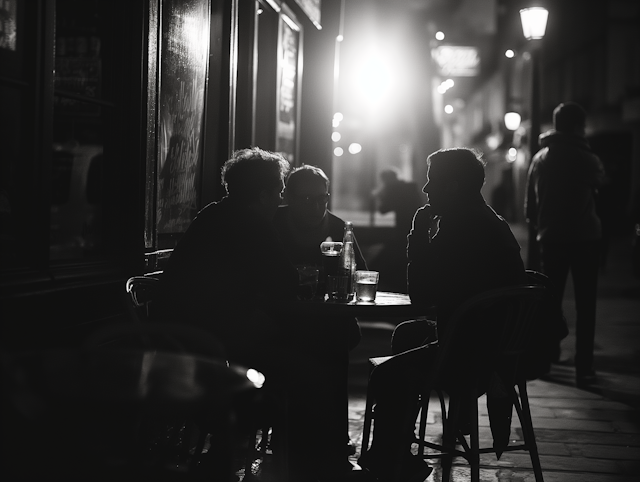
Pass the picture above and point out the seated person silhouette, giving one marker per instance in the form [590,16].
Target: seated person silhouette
[224,275]
[304,222]
[458,247]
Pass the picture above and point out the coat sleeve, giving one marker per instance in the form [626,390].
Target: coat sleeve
[418,252]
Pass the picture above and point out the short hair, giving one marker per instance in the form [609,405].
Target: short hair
[568,117]
[306,171]
[250,171]
[460,164]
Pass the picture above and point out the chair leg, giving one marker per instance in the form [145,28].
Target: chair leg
[449,425]
[527,430]
[366,430]
[424,411]
[474,438]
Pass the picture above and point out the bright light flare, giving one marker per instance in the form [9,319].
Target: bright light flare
[512,120]
[355,148]
[375,78]
[439,35]
[448,109]
[512,154]
[534,22]
[446,85]
[338,151]
[509,54]
[336,136]
[255,377]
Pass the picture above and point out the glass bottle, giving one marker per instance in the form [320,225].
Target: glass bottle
[348,257]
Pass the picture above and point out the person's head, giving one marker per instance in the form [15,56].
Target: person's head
[307,195]
[388,176]
[454,178]
[570,118]
[255,177]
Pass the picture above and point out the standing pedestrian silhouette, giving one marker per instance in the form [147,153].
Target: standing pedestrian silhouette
[560,206]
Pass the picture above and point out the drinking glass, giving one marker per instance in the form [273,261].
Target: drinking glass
[337,288]
[331,253]
[366,285]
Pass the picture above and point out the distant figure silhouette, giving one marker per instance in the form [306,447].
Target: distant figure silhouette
[400,197]
[403,198]
[560,206]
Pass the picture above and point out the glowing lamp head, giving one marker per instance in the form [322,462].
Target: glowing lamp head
[534,22]
[512,120]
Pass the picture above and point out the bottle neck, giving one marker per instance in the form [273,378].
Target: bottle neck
[348,233]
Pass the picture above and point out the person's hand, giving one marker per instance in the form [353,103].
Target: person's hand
[425,222]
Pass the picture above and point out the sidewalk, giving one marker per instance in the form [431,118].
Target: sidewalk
[582,436]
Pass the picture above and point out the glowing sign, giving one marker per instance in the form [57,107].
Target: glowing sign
[457,61]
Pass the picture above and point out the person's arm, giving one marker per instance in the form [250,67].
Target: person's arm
[418,254]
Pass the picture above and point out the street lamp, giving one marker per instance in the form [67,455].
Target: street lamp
[534,22]
[534,25]
[512,120]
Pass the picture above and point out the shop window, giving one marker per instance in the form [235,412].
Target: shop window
[80,119]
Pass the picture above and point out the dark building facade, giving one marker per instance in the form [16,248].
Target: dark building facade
[115,119]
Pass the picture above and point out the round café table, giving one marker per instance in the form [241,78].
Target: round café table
[386,305]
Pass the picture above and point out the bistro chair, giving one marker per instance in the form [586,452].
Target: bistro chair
[140,293]
[508,370]
[176,434]
[150,333]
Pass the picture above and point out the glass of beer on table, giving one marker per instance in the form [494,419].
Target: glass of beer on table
[366,285]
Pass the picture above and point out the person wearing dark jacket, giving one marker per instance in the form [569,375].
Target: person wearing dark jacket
[458,247]
[560,206]
[226,274]
[304,221]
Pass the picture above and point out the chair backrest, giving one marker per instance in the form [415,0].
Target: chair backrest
[140,291]
[514,310]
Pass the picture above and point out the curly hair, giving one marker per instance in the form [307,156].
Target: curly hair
[252,170]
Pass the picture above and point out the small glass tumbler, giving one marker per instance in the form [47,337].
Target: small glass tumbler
[337,288]
[366,285]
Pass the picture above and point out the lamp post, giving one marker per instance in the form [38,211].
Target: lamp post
[534,25]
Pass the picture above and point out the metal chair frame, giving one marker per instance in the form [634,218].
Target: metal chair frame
[140,293]
[521,304]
